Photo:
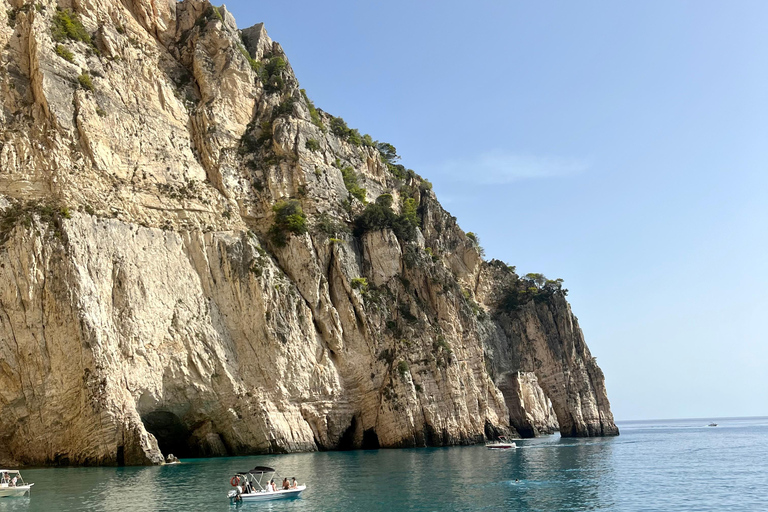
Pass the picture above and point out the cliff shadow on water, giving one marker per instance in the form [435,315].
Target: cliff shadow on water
[197,260]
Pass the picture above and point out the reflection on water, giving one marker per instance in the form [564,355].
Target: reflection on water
[648,468]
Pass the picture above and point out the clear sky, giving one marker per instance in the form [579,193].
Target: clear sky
[621,146]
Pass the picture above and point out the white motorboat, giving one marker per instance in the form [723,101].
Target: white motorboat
[254,485]
[501,444]
[11,484]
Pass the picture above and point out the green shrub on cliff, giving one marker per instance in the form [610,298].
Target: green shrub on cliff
[312,145]
[331,228]
[410,211]
[476,242]
[285,108]
[64,53]
[255,65]
[351,182]
[212,13]
[314,115]
[339,128]
[289,220]
[250,142]
[360,283]
[85,81]
[354,137]
[270,73]
[379,215]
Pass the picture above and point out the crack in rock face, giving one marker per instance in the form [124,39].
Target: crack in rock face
[197,260]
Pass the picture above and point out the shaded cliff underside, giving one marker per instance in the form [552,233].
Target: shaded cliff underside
[196,260]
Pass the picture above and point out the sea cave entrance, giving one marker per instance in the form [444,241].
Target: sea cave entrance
[171,434]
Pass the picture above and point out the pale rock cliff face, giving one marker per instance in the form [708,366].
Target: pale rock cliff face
[530,410]
[145,307]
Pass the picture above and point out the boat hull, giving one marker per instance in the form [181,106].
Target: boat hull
[270,496]
[9,492]
[500,446]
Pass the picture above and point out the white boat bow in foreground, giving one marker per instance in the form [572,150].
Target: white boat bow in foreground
[11,484]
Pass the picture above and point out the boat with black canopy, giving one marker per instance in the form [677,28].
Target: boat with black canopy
[255,485]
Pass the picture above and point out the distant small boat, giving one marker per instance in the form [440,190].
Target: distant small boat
[712,425]
[11,484]
[501,444]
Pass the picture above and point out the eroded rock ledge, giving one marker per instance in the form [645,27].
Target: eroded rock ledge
[150,304]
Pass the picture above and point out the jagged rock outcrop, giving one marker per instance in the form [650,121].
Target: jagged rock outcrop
[161,293]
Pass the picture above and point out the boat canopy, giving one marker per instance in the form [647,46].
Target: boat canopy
[13,471]
[259,469]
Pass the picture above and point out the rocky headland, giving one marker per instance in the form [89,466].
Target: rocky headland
[196,260]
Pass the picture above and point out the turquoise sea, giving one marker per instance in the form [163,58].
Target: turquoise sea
[674,465]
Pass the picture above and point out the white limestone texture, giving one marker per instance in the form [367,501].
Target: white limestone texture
[146,308]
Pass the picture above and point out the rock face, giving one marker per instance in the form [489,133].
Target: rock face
[160,293]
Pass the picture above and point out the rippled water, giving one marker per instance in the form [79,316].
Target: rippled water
[653,466]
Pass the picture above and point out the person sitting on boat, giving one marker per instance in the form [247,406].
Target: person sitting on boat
[271,486]
[286,484]
[13,481]
[295,484]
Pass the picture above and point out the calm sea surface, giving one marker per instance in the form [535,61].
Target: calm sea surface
[675,465]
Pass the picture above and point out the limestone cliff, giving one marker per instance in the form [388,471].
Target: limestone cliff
[196,260]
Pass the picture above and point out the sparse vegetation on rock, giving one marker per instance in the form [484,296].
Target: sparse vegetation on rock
[67,25]
[85,81]
[64,53]
[289,220]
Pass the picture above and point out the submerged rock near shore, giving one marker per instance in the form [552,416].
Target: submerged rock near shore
[195,260]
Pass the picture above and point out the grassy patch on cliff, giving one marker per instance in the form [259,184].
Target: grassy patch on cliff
[67,25]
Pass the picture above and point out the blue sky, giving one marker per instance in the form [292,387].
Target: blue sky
[621,146]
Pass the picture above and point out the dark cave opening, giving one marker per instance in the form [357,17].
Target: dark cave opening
[171,434]
[370,440]
[347,440]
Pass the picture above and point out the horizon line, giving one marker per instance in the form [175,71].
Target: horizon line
[700,418]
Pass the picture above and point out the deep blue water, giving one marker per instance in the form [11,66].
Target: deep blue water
[675,465]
